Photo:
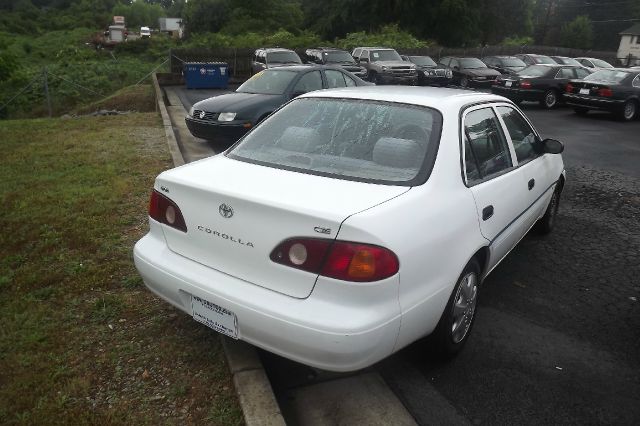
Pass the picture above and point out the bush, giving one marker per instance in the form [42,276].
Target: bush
[517,41]
[389,35]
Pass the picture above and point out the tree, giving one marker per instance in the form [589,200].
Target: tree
[578,33]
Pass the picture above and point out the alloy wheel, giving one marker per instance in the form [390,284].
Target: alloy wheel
[464,307]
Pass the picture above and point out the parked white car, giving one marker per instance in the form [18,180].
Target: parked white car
[352,222]
[594,64]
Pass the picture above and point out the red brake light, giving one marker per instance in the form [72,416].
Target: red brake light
[337,259]
[605,91]
[525,84]
[163,210]
[569,88]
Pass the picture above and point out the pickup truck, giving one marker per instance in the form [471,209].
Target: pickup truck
[385,66]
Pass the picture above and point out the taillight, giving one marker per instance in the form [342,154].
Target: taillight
[568,88]
[341,260]
[605,91]
[525,84]
[166,211]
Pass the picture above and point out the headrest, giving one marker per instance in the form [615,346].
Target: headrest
[396,152]
[298,139]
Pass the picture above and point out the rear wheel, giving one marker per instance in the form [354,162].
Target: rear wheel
[550,99]
[629,110]
[456,321]
[581,110]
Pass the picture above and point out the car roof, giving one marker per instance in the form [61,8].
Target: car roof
[274,49]
[304,67]
[432,97]
[326,48]
[500,56]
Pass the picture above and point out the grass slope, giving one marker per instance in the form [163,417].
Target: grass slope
[81,340]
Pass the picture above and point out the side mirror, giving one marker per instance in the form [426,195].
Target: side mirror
[552,146]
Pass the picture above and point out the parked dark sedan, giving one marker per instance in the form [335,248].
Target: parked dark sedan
[337,57]
[615,90]
[540,83]
[227,117]
[430,73]
[470,72]
[504,64]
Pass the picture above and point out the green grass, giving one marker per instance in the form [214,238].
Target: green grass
[81,340]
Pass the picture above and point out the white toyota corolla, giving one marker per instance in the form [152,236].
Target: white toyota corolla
[352,222]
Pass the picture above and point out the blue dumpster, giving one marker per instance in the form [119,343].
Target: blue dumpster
[206,75]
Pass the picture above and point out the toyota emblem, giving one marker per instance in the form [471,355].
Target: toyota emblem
[225,211]
[202,113]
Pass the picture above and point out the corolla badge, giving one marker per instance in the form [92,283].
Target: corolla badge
[202,113]
[225,211]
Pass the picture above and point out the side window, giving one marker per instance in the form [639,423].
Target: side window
[309,82]
[364,55]
[636,81]
[487,145]
[565,73]
[522,135]
[350,82]
[582,73]
[262,57]
[334,79]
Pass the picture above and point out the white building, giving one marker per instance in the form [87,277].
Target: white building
[630,45]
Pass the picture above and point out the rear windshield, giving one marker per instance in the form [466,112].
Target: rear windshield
[566,61]
[543,60]
[607,76]
[601,64]
[283,58]
[268,82]
[534,71]
[361,140]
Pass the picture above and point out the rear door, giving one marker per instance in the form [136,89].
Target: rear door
[490,173]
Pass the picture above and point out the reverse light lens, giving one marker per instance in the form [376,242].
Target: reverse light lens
[341,260]
[164,210]
[227,116]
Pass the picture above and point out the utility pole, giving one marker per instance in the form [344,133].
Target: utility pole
[46,91]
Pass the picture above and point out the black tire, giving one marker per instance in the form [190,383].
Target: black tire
[547,222]
[377,80]
[550,99]
[464,81]
[581,110]
[629,111]
[448,339]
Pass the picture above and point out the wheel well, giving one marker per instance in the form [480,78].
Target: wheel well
[561,182]
[482,255]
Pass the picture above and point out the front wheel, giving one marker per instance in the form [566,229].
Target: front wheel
[547,222]
[629,111]
[456,321]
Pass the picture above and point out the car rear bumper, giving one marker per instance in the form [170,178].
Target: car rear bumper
[214,131]
[322,331]
[592,102]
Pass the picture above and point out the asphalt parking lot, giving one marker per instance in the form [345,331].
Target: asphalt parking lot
[557,334]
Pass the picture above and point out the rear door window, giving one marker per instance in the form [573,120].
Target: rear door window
[335,79]
[309,82]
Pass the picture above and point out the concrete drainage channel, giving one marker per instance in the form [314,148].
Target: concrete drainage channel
[307,396]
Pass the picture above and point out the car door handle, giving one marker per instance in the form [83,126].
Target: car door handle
[487,212]
[532,183]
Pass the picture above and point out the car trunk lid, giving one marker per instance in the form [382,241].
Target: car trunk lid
[236,214]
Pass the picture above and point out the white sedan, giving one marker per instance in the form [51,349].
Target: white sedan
[352,222]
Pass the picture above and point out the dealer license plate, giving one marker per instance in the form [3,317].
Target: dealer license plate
[215,317]
[508,83]
[584,91]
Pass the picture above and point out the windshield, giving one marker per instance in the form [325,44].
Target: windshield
[337,57]
[283,58]
[472,63]
[567,61]
[601,64]
[512,62]
[352,139]
[534,71]
[268,82]
[607,76]
[422,60]
[385,55]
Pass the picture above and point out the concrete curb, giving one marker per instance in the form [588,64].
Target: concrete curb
[257,401]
